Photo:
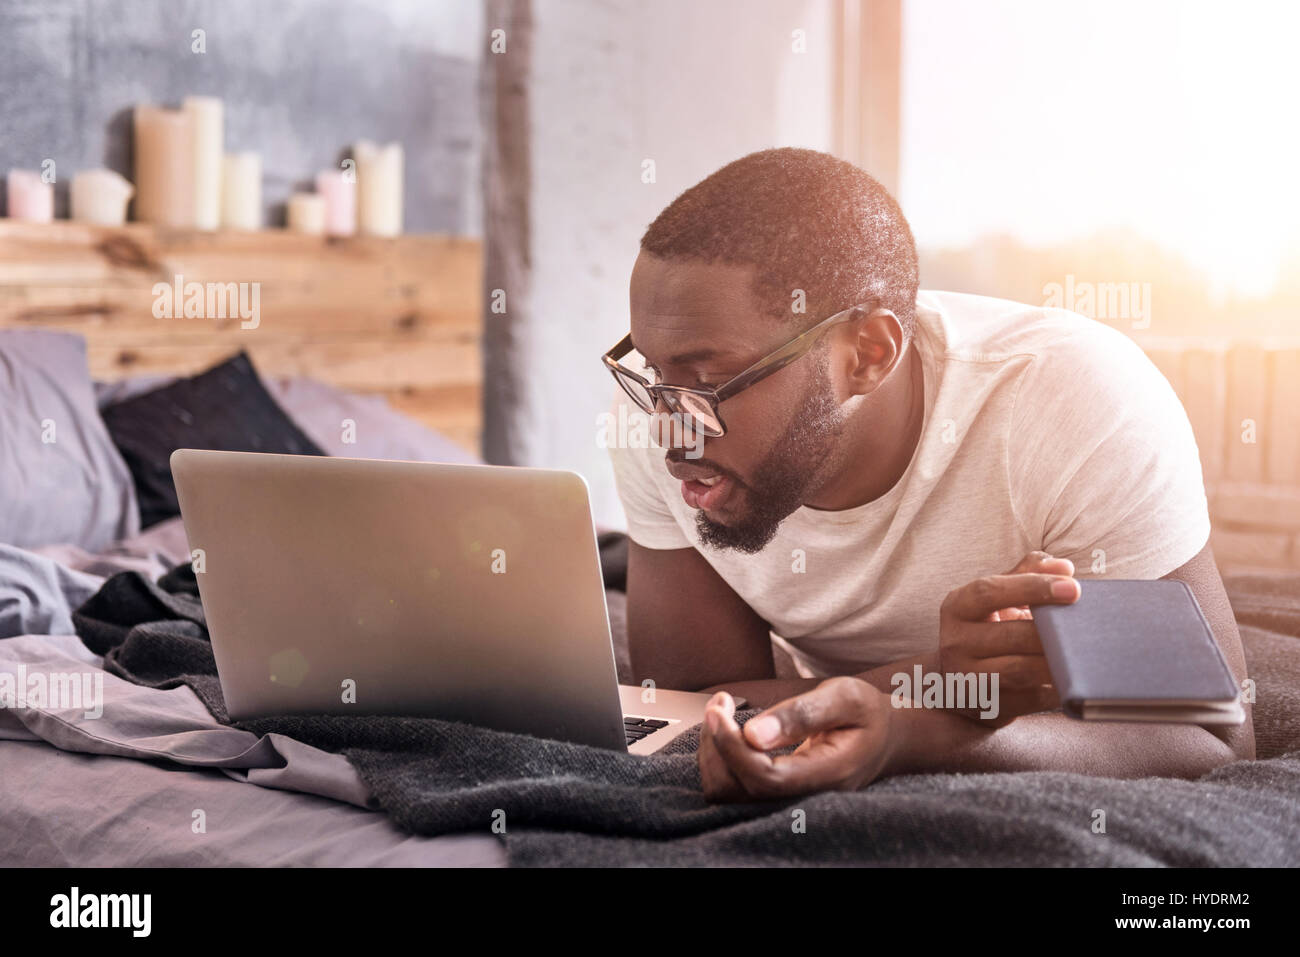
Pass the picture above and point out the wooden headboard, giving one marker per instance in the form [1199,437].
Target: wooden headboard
[396,317]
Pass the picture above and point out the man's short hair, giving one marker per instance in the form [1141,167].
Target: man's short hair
[805,220]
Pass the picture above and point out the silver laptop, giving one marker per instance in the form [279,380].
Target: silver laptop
[465,592]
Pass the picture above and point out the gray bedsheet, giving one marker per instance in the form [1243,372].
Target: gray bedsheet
[271,799]
[153,758]
[143,815]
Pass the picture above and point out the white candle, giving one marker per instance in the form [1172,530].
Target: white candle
[340,195]
[241,191]
[307,214]
[100,196]
[164,167]
[205,113]
[29,198]
[379,188]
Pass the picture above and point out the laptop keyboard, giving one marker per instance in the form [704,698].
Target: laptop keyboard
[638,728]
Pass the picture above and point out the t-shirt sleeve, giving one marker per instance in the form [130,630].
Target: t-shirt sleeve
[1103,466]
[650,522]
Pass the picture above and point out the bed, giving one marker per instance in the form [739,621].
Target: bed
[371,346]
[149,777]
[172,786]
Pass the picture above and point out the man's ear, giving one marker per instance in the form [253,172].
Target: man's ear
[876,344]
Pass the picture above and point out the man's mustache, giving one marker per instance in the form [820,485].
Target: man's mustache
[677,457]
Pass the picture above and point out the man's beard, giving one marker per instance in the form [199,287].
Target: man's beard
[797,460]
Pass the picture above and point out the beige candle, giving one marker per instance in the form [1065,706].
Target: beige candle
[100,196]
[164,167]
[206,114]
[307,214]
[379,188]
[241,191]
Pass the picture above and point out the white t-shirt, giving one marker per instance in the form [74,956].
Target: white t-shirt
[1043,429]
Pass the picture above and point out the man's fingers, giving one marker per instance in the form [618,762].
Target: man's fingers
[990,639]
[715,776]
[724,703]
[1018,671]
[979,599]
[1045,563]
[832,704]
[749,767]
[822,765]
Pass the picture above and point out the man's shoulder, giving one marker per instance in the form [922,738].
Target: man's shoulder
[1058,342]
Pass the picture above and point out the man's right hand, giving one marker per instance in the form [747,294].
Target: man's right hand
[986,627]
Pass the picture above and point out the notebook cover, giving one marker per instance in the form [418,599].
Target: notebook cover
[1132,641]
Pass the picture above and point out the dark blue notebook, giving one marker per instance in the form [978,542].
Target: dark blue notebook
[1137,651]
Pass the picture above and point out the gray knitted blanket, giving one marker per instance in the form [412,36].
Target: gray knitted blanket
[563,804]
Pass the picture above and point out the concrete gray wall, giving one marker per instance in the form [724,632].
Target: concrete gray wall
[690,85]
[301,80]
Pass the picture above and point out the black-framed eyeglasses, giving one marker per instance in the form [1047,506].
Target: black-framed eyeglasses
[699,407]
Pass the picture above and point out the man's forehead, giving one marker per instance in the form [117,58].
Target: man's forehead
[683,311]
[692,282]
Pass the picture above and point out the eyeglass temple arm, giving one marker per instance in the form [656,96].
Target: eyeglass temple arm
[619,351]
[782,357]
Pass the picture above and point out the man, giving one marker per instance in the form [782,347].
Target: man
[896,487]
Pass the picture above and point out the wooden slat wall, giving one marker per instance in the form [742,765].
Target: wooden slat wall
[1252,478]
[398,317]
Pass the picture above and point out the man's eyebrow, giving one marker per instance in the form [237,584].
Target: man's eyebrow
[695,355]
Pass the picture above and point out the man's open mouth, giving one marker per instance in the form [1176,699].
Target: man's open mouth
[702,487]
[706,494]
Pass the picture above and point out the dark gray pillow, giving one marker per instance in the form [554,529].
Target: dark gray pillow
[226,409]
[61,478]
[360,426]
[343,423]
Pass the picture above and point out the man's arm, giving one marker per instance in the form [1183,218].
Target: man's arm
[765,693]
[942,741]
[688,630]
[935,741]
[853,735]
[1202,576]
[686,627]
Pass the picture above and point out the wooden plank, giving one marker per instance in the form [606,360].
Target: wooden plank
[396,317]
[1247,412]
[1284,412]
[1204,399]
[1257,505]
[360,364]
[458,406]
[78,252]
[346,311]
[1258,549]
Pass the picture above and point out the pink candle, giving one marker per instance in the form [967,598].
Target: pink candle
[29,198]
[340,202]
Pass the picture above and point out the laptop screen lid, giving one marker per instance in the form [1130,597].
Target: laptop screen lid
[348,586]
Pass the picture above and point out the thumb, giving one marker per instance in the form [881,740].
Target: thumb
[834,703]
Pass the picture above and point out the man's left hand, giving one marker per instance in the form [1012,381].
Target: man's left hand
[846,727]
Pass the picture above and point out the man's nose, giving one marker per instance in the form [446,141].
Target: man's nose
[676,432]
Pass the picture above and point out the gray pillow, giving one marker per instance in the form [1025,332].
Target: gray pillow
[63,480]
[360,426]
[323,412]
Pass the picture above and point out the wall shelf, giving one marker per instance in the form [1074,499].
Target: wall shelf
[396,317]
